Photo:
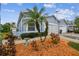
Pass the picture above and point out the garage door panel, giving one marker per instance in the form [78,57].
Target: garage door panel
[53,28]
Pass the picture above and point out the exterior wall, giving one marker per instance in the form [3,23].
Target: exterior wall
[42,27]
[52,20]
[52,25]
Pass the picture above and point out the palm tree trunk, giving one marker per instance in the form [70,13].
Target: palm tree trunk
[41,32]
[38,29]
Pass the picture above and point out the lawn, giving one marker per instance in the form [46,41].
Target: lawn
[74,45]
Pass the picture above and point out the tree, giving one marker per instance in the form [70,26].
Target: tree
[1,28]
[7,27]
[77,21]
[37,16]
[46,29]
[13,25]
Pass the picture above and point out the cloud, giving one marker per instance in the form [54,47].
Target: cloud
[49,5]
[8,10]
[64,13]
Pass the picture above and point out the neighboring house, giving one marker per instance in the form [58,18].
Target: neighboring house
[70,26]
[14,31]
[24,27]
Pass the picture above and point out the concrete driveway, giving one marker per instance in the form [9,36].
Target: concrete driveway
[71,37]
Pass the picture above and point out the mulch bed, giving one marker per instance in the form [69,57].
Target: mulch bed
[47,48]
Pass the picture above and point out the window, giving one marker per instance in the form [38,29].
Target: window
[31,26]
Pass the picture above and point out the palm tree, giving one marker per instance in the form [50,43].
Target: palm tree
[37,16]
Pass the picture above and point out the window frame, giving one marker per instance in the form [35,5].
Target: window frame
[31,26]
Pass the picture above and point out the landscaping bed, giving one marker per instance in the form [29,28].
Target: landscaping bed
[53,45]
[46,48]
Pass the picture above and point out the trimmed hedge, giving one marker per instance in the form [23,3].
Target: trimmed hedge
[32,35]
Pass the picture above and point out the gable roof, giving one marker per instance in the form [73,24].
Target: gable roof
[21,15]
[53,17]
[25,11]
[62,22]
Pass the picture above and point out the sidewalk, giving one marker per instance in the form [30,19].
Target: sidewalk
[69,39]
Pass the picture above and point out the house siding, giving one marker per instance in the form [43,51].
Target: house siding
[52,25]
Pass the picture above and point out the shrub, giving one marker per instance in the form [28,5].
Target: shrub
[55,38]
[34,45]
[31,35]
[9,48]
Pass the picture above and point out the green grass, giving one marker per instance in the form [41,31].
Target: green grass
[74,45]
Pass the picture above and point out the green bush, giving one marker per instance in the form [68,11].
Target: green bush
[31,35]
[55,41]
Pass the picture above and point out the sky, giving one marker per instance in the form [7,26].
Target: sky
[10,11]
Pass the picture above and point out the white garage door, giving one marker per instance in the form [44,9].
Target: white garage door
[53,28]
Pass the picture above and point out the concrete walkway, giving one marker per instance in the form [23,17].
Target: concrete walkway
[16,42]
[69,39]
[72,35]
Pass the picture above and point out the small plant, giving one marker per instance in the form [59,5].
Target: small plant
[55,38]
[9,48]
[34,45]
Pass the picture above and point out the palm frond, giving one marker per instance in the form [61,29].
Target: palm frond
[35,9]
[42,10]
[42,18]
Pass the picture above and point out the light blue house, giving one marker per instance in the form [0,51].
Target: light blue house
[24,27]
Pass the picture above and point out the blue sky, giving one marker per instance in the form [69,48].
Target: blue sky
[10,11]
